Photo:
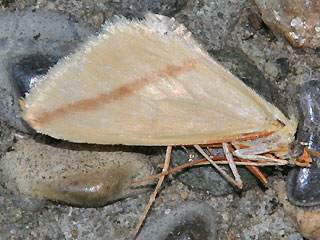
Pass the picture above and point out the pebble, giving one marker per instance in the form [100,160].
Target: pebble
[77,174]
[271,69]
[303,184]
[298,21]
[187,220]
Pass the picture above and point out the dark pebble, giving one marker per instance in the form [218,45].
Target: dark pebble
[303,184]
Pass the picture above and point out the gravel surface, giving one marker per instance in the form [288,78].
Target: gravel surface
[255,214]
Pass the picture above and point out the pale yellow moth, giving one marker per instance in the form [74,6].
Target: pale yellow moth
[150,83]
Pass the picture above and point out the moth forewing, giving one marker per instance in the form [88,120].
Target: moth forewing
[277,143]
[146,83]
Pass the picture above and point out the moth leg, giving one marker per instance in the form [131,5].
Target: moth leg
[255,170]
[252,153]
[232,165]
[154,194]
[200,150]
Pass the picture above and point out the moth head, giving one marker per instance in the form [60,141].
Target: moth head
[299,155]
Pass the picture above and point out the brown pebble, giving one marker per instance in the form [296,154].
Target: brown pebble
[255,21]
[297,20]
[306,220]
[74,234]
[77,174]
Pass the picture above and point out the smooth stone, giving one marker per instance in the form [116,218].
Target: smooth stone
[303,184]
[306,220]
[77,174]
[30,43]
[188,220]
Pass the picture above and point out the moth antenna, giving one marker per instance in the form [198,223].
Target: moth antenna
[314,153]
[252,166]
[154,194]
[255,170]
[216,166]
[171,170]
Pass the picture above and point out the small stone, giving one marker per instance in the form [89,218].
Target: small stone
[297,20]
[255,21]
[283,64]
[184,195]
[303,183]
[271,69]
[98,19]
[188,220]
[74,234]
[50,6]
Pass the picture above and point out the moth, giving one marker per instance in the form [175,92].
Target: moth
[148,82]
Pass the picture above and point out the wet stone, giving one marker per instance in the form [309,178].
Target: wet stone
[303,188]
[188,220]
[77,174]
[25,70]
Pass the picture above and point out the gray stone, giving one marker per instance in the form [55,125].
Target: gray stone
[32,33]
[188,220]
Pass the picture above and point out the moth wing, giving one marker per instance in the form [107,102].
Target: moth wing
[145,83]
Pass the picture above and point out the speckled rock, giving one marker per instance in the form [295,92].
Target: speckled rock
[298,20]
[78,174]
[31,42]
[188,220]
[307,220]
